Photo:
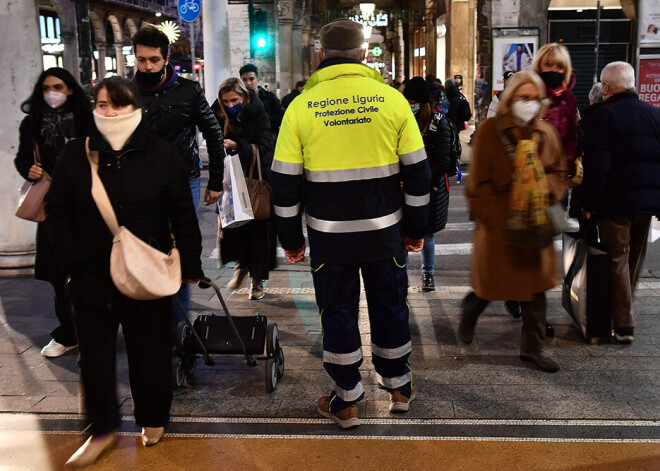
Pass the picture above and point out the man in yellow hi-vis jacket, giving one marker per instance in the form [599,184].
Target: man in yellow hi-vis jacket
[353,143]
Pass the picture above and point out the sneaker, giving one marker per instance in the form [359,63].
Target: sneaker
[55,349]
[239,276]
[427,282]
[624,334]
[257,289]
[399,402]
[345,418]
[152,435]
[514,308]
[541,360]
[91,450]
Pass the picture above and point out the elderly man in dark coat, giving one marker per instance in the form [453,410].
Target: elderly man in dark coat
[621,186]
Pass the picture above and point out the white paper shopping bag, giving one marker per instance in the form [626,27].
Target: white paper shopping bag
[235,208]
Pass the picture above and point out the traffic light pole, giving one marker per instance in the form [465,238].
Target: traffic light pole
[192,49]
[251,18]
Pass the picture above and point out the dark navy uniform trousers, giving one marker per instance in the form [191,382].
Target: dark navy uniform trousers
[337,289]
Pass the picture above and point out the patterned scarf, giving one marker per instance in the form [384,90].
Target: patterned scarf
[57,128]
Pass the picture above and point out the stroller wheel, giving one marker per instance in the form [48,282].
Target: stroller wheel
[279,359]
[182,337]
[178,373]
[271,375]
[190,364]
[272,340]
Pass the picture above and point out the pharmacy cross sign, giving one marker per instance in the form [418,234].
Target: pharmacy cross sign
[189,10]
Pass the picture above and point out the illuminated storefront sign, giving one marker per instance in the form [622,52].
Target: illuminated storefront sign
[379,18]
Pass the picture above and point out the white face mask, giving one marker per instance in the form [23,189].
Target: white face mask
[118,129]
[526,111]
[55,99]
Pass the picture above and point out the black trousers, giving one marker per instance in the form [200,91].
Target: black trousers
[147,332]
[64,333]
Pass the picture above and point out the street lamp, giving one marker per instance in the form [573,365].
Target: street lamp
[367,10]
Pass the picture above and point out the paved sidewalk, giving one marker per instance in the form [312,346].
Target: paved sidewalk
[485,380]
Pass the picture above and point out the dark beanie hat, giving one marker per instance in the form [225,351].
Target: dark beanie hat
[417,90]
[342,34]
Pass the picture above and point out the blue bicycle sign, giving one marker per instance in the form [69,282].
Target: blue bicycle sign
[189,10]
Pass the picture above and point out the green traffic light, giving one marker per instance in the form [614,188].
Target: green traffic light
[261,42]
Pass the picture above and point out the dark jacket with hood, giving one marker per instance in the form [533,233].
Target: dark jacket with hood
[273,107]
[175,111]
[437,141]
[148,188]
[458,112]
[622,158]
[562,114]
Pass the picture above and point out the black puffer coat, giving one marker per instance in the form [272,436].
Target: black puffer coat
[253,245]
[149,191]
[437,140]
[175,111]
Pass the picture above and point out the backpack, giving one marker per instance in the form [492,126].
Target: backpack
[454,151]
[464,111]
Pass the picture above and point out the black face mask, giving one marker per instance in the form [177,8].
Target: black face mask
[151,79]
[552,79]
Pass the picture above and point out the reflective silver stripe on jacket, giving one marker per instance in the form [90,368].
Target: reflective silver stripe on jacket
[391,353]
[287,211]
[351,174]
[342,358]
[287,168]
[352,395]
[417,200]
[359,225]
[394,383]
[413,157]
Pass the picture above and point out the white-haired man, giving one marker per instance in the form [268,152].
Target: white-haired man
[621,186]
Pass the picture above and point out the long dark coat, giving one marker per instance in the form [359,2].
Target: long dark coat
[45,265]
[253,245]
[148,187]
[501,271]
[437,142]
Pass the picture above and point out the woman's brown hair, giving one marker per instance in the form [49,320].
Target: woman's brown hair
[121,91]
[232,84]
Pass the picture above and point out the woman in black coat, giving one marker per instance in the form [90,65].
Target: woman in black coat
[437,135]
[245,123]
[58,110]
[148,188]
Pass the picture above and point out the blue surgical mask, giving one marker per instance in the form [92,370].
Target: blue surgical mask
[234,110]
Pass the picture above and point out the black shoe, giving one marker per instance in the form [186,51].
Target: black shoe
[514,308]
[549,330]
[427,282]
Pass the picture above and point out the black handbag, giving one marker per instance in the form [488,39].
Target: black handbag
[587,284]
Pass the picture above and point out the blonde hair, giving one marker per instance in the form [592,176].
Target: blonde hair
[515,82]
[232,84]
[556,54]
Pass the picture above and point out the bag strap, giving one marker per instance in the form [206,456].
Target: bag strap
[37,154]
[99,194]
[509,146]
[255,158]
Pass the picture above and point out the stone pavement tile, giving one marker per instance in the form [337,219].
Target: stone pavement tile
[14,344]
[59,405]
[422,407]
[612,363]
[647,410]
[522,409]
[18,403]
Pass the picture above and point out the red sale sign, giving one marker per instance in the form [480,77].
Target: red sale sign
[649,81]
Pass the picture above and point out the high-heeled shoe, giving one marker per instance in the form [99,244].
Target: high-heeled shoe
[152,435]
[91,450]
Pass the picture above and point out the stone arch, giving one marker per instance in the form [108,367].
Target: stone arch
[130,28]
[116,29]
[97,26]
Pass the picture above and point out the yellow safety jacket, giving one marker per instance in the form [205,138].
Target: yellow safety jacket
[350,152]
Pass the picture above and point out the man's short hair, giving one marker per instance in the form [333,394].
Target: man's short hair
[249,68]
[151,37]
[619,75]
[596,93]
[355,53]
[300,83]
